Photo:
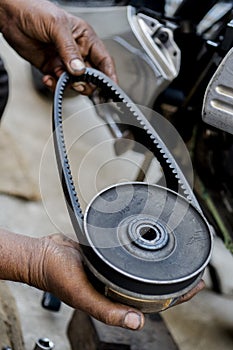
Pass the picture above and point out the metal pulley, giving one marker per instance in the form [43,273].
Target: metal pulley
[142,244]
[146,244]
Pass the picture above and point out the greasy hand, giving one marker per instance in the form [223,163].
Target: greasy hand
[62,274]
[53,40]
[53,264]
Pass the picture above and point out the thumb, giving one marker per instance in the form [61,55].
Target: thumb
[68,51]
[120,315]
[104,309]
[76,65]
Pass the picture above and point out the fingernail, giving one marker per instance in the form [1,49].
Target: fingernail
[48,82]
[79,86]
[132,320]
[77,65]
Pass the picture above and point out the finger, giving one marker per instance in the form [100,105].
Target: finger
[108,67]
[80,86]
[116,316]
[102,60]
[68,50]
[85,297]
[49,82]
[109,312]
[191,293]
[83,87]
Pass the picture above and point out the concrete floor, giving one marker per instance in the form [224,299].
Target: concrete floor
[206,322]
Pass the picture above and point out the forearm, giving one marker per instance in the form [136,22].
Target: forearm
[17,257]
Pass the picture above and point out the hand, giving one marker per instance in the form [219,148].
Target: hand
[61,272]
[53,264]
[63,275]
[53,40]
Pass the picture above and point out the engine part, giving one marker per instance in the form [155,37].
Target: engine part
[157,41]
[147,244]
[218,100]
[142,244]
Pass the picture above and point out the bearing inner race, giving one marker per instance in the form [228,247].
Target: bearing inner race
[148,234]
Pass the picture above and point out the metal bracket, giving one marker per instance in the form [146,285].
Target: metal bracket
[157,41]
[217,107]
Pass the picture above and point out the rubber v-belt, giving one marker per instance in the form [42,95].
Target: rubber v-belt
[175,178]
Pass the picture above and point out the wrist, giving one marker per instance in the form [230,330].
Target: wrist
[20,257]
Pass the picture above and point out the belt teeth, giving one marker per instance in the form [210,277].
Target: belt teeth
[98,78]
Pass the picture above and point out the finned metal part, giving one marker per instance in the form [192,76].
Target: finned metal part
[218,100]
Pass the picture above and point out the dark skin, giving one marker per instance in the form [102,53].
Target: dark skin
[54,41]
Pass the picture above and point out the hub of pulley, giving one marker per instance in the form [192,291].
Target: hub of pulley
[146,245]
